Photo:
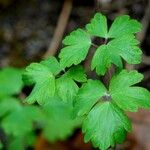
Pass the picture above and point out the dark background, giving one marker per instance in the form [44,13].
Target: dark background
[27,29]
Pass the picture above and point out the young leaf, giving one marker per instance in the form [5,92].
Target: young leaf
[98,26]
[10,82]
[105,124]
[77,46]
[123,25]
[88,95]
[59,124]
[44,83]
[127,96]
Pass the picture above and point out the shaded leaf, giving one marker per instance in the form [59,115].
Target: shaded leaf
[59,123]
[10,81]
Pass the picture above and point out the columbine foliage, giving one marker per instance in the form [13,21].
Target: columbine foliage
[122,44]
[49,83]
[106,122]
[61,87]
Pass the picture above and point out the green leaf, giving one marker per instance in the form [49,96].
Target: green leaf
[66,86]
[1,145]
[5,106]
[10,81]
[89,94]
[123,25]
[21,143]
[52,64]
[20,122]
[105,125]
[44,83]
[101,60]
[16,144]
[77,73]
[125,47]
[59,123]
[98,26]
[17,124]
[77,46]
[127,96]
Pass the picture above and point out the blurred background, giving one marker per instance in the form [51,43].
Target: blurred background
[32,30]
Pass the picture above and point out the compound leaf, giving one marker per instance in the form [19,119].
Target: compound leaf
[77,46]
[123,25]
[105,124]
[125,47]
[127,96]
[98,26]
